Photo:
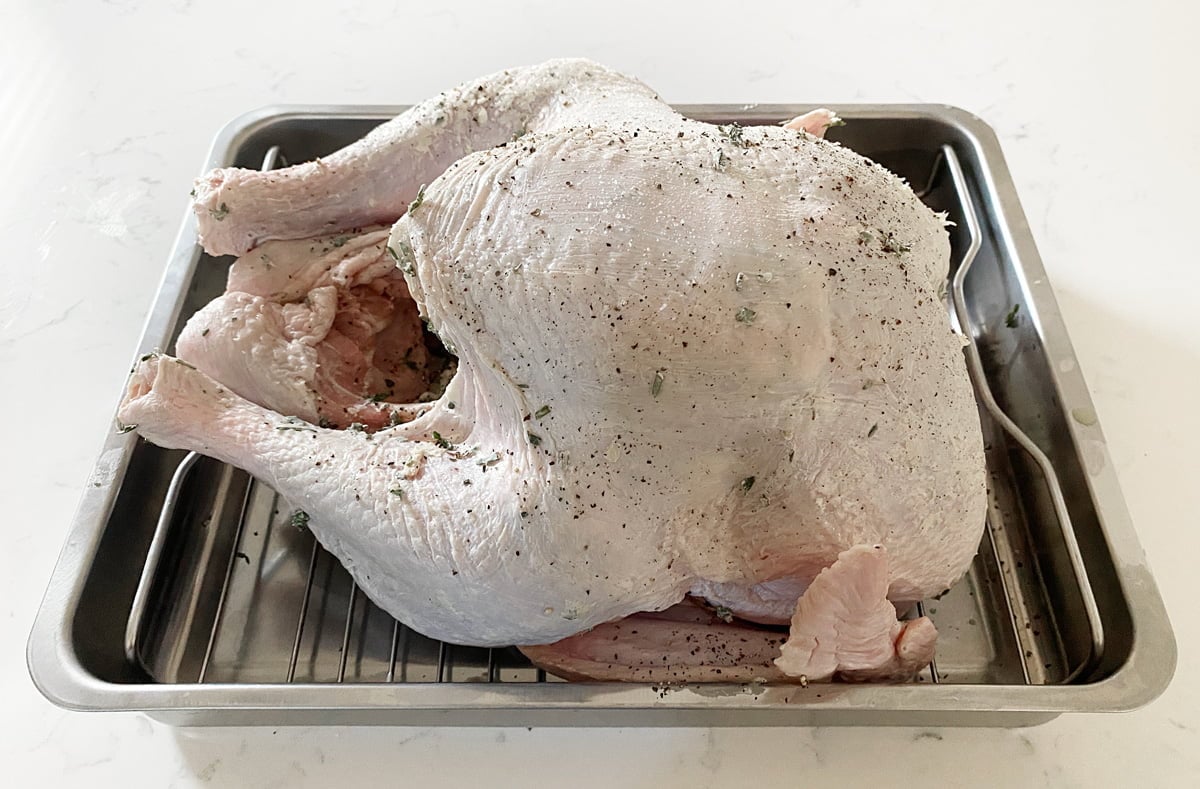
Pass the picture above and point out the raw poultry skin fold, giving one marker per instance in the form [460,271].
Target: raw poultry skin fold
[689,359]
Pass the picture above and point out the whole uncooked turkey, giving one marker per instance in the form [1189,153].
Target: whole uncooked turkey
[690,358]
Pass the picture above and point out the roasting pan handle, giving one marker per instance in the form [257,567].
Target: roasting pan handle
[136,625]
[979,378]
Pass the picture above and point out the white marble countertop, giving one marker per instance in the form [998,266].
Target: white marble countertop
[107,109]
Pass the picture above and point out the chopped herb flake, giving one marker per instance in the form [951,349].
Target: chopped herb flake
[219,213]
[1010,320]
[871,432]
[397,492]
[534,439]
[745,315]
[733,133]
[747,484]
[299,520]
[723,613]
[124,428]
[379,397]
[440,441]
[657,384]
[420,198]
[404,256]
[458,453]
[889,243]
[835,122]
[541,412]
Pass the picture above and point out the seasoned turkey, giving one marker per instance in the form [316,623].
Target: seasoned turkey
[690,358]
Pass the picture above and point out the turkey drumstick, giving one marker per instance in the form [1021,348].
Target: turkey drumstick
[374,180]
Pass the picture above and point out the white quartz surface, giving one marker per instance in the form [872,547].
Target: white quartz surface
[107,109]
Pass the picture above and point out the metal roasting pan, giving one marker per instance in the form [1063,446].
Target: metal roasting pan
[184,592]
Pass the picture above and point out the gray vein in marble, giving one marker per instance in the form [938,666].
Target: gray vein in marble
[59,719]
[277,83]
[134,144]
[207,773]
[713,754]
[143,727]
[62,316]
[419,734]
[124,6]
[88,763]
[760,75]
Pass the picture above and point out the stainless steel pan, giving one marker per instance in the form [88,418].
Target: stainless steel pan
[185,591]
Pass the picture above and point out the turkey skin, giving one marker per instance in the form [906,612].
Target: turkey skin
[689,358]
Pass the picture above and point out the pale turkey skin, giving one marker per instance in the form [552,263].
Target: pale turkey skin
[690,356]
[473,563]
[844,397]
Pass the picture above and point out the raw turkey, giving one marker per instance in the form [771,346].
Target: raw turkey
[322,329]
[690,358]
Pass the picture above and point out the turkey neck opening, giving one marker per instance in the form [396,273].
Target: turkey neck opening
[379,362]
[324,329]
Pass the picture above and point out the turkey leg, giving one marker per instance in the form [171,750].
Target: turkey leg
[374,180]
